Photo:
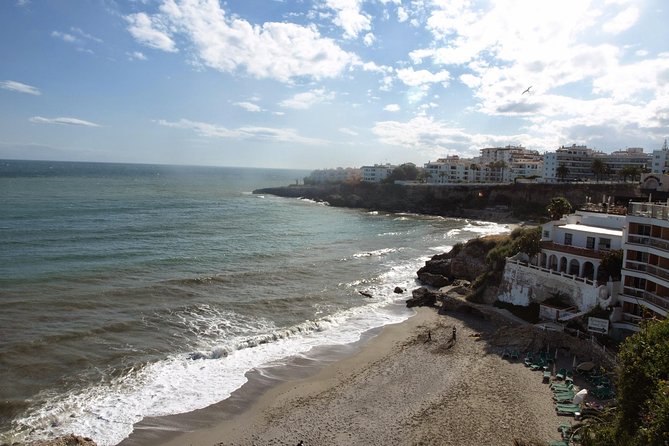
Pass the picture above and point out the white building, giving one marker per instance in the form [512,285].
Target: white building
[630,157]
[453,169]
[569,263]
[577,159]
[376,173]
[338,175]
[660,160]
[645,274]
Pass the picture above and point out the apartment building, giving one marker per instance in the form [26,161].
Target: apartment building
[645,274]
[376,173]
[453,169]
[338,175]
[660,160]
[577,160]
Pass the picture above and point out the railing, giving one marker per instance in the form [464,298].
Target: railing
[650,210]
[645,267]
[648,241]
[583,252]
[662,302]
[554,272]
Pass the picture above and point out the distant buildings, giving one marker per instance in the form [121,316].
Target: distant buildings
[512,163]
[376,173]
[338,175]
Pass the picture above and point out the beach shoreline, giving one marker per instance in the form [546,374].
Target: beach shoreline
[399,387]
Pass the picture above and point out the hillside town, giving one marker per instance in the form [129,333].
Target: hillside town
[513,164]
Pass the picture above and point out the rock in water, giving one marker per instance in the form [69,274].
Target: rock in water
[422,297]
[398,290]
[365,293]
[66,440]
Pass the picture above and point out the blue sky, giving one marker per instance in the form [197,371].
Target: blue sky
[326,83]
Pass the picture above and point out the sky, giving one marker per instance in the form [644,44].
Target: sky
[325,83]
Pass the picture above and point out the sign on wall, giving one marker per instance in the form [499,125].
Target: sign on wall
[598,325]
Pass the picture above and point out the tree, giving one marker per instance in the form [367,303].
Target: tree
[529,241]
[599,168]
[558,207]
[406,172]
[611,265]
[562,171]
[629,171]
[641,414]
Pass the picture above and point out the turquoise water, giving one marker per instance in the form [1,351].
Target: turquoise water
[129,291]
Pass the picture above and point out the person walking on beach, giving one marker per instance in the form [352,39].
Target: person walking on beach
[454,331]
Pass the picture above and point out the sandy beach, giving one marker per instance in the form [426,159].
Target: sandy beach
[401,388]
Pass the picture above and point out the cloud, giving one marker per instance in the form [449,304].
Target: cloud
[247,132]
[348,131]
[402,15]
[19,87]
[303,101]
[69,38]
[369,39]
[62,121]
[622,21]
[422,77]
[392,108]
[424,134]
[281,51]
[248,106]
[150,31]
[136,55]
[349,17]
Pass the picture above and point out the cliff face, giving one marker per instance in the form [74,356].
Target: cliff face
[458,201]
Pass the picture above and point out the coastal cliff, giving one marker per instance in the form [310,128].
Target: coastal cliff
[467,201]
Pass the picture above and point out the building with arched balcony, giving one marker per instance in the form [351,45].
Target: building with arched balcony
[568,264]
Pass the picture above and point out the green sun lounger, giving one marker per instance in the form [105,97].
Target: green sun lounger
[547,376]
[561,374]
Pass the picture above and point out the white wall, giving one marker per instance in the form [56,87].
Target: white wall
[522,285]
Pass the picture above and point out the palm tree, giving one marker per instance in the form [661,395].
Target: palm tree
[562,171]
[599,168]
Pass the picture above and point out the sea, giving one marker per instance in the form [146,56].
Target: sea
[135,291]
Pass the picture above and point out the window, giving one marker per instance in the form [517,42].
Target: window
[590,243]
[547,234]
[567,239]
[643,230]
[604,243]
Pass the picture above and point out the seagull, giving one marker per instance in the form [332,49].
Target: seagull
[526,91]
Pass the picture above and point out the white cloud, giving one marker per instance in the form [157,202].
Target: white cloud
[281,51]
[63,121]
[426,135]
[402,15]
[422,77]
[150,31]
[303,101]
[136,55]
[349,17]
[19,87]
[369,39]
[248,106]
[622,21]
[248,132]
[348,131]
[392,107]
[85,35]
[69,38]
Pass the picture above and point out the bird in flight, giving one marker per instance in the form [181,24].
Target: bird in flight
[526,91]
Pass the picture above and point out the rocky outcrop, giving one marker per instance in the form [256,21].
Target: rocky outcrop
[66,440]
[481,201]
[422,297]
[464,262]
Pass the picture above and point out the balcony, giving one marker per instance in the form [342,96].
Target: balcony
[647,268]
[658,301]
[648,241]
[649,210]
[568,249]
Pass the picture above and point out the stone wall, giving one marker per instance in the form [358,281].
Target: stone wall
[522,285]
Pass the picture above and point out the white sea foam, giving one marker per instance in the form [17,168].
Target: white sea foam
[179,384]
[378,252]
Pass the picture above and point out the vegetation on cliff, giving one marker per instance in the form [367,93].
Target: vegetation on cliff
[641,414]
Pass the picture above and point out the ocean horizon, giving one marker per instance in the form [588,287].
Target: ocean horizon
[135,290]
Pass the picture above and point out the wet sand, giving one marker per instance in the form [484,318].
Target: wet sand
[399,388]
